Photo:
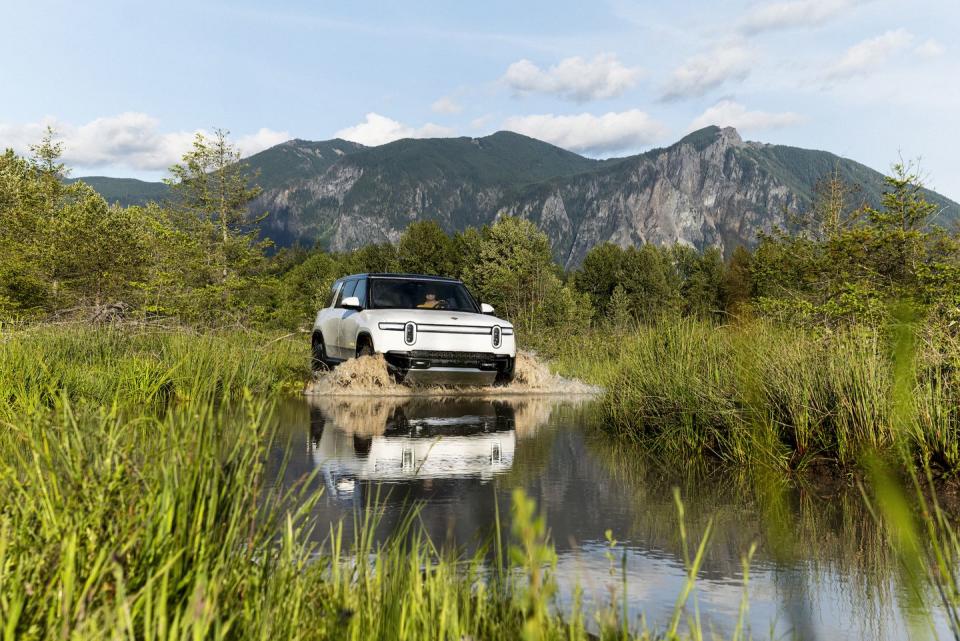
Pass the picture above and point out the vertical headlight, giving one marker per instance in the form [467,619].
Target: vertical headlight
[497,335]
[410,333]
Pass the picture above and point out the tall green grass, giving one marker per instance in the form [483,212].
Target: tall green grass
[109,365]
[759,393]
[163,528]
[135,506]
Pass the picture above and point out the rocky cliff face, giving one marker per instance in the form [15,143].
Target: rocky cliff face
[714,194]
[709,189]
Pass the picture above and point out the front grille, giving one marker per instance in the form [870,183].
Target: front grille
[422,359]
[437,354]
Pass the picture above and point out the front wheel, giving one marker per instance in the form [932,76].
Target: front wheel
[318,354]
[365,348]
[505,375]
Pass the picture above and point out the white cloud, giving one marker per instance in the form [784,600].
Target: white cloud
[481,122]
[574,78]
[793,13]
[250,144]
[869,54]
[611,132]
[728,113]
[930,48]
[701,73]
[129,140]
[446,105]
[379,130]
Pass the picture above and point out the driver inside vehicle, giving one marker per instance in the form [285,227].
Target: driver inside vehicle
[430,301]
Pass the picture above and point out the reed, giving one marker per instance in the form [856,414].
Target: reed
[111,365]
[132,521]
[135,506]
[756,393]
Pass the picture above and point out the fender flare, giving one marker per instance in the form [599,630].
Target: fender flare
[364,336]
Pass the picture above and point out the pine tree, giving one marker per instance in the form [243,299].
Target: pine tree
[213,183]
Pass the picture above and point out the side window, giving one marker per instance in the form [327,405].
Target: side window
[346,291]
[334,290]
[361,292]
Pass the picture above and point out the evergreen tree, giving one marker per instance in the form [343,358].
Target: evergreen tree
[601,272]
[424,248]
[214,185]
[515,272]
[737,286]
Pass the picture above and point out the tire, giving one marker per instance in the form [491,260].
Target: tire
[318,354]
[365,348]
[505,376]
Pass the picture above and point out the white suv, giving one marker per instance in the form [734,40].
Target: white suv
[430,330]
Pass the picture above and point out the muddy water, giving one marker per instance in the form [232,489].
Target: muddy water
[368,376]
[820,569]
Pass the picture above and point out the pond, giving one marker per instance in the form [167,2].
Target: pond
[821,569]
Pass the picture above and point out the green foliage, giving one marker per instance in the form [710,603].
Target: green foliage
[601,272]
[701,280]
[61,245]
[737,286]
[304,288]
[654,282]
[214,186]
[514,271]
[424,248]
[64,250]
[466,248]
[532,552]
[94,249]
[618,308]
[850,260]
[102,366]
[758,393]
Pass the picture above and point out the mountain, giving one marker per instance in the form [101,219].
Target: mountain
[295,160]
[126,191]
[373,194]
[275,168]
[711,188]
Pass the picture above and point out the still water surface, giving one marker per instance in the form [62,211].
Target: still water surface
[820,571]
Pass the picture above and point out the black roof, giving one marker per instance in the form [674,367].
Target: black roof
[400,275]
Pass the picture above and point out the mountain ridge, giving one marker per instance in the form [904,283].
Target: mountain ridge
[710,188]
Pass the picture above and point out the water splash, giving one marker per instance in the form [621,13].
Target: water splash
[369,376]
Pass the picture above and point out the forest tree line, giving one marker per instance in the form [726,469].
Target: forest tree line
[199,259]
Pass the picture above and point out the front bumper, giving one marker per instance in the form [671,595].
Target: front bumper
[426,367]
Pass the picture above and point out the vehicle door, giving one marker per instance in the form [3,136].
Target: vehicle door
[335,347]
[328,320]
[325,318]
[349,321]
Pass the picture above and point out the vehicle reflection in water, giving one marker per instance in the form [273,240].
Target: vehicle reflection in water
[357,441]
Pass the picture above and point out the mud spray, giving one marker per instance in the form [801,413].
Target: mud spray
[369,376]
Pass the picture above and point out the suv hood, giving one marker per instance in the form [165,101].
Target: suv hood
[436,317]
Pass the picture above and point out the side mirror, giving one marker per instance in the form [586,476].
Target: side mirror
[485,308]
[351,302]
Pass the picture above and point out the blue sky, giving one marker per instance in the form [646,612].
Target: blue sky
[128,84]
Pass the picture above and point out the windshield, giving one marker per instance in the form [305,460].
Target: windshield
[400,293]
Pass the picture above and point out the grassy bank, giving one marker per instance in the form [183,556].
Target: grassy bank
[757,392]
[142,367]
[135,507]
[154,528]
[135,504]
